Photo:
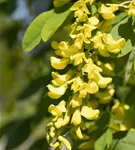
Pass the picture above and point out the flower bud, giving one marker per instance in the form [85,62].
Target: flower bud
[65,142]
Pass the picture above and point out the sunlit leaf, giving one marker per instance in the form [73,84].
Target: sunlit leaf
[32,36]
[124,141]
[54,22]
[104,141]
[129,66]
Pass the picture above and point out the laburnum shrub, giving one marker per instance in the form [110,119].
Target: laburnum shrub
[85,66]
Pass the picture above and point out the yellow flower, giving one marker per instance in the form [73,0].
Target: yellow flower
[91,87]
[64,50]
[76,118]
[106,44]
[76,101]
[88,28]
[93,20]
[77,83]
[58,79]
[80,4]
[57,110]
[58,123]
[79,41]
[56,92]
[108,12]
[89,113]
[78,58]
[81,15]
[79,134]
[97,40]
[102,82]
[131,11]
[106,96]
[66,118]
[112,45]
[81,10]
[58,63]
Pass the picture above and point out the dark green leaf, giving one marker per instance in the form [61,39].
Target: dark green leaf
[54,22]
[32,36]
[103,120]
[124,141]
[40,144]
[129,66]
[125,29]
[104,140]
[34,86]
[18,134]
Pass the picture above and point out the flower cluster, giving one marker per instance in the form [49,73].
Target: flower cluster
[85,76]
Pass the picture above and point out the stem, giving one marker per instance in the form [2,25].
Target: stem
[126,2]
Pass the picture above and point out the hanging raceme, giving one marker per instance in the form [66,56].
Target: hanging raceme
[90,77]
[75,53]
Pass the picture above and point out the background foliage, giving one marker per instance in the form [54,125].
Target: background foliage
[24,76]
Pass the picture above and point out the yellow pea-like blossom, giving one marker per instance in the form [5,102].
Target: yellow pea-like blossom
[56,92]
[91,87]
[106,96]
[79,134]
[57,110]
[131,11]
[76,118]
[87,79]
[59,63]
[112,45]
[89,113]
[108,12]
[58,79]
[76,101]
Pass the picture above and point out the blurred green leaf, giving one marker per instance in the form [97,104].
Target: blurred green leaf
[34,86]
[3,1]
[40,144]
[125,29]
[32,36]
[18,134]
[104,141]
[124,140]
[54,22]
[129,66]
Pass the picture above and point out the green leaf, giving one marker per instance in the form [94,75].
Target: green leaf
[34,86]
[18,134]
[125,29]
[54,22]
[124,141]
[119,18]
[104,140]
[129,66]
[32,36]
